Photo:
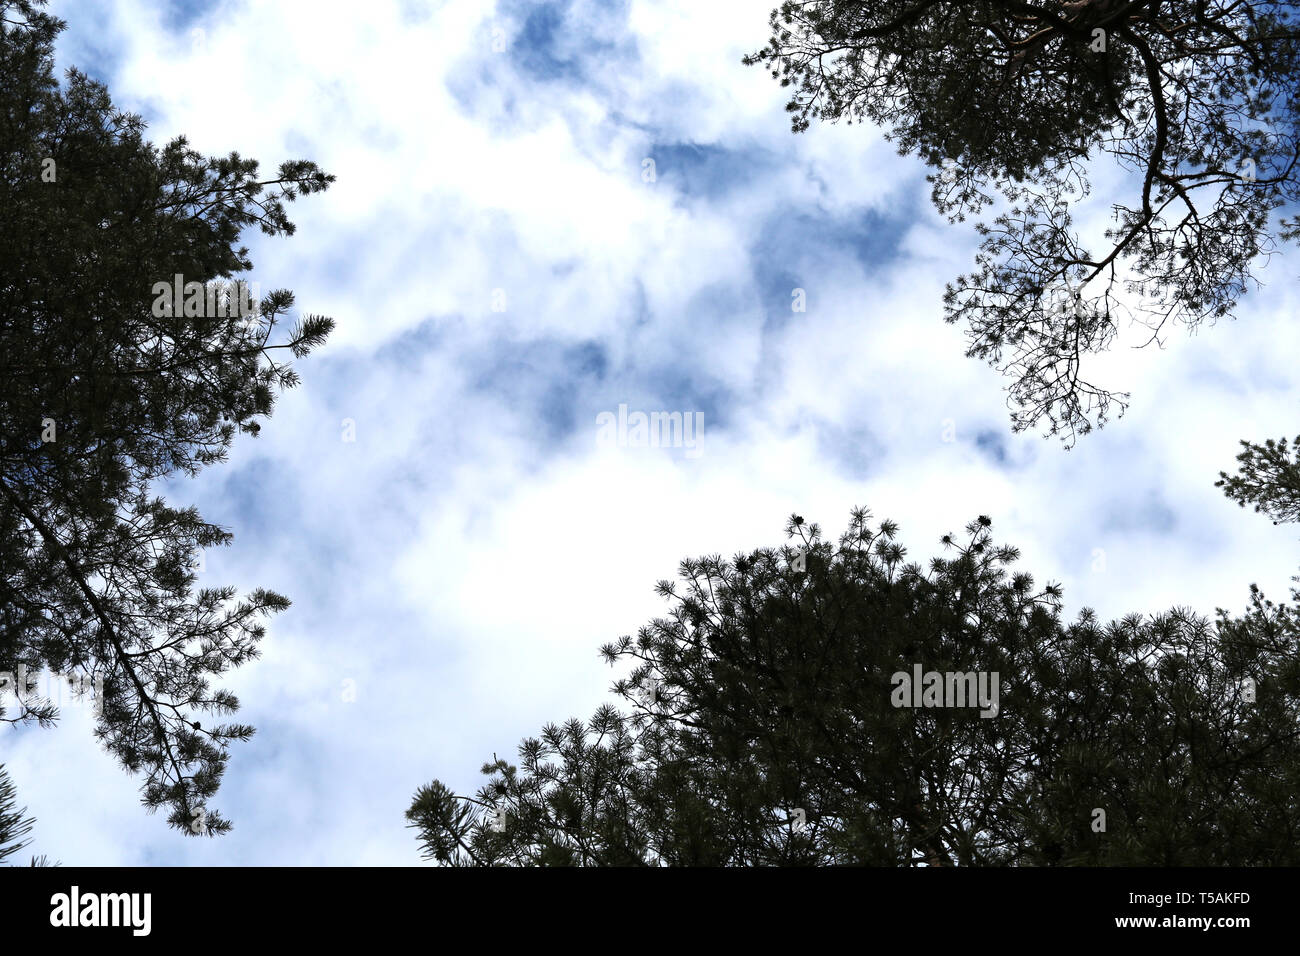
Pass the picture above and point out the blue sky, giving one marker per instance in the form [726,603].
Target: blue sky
[459,564]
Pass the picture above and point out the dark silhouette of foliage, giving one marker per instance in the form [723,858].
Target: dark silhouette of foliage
[760,728]
[102,396]
[1199,101]
[1269,479]
[14,825]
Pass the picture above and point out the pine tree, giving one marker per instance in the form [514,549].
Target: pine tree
[1198,101]
[1269,479]
[109,388]
[14,825]
[762,727]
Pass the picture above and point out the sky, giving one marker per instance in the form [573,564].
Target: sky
[545,211]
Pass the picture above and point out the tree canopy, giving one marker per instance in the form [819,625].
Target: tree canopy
[1197,102]
[763,726]
[106,392]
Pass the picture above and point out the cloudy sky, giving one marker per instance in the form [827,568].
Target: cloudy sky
[503,268]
